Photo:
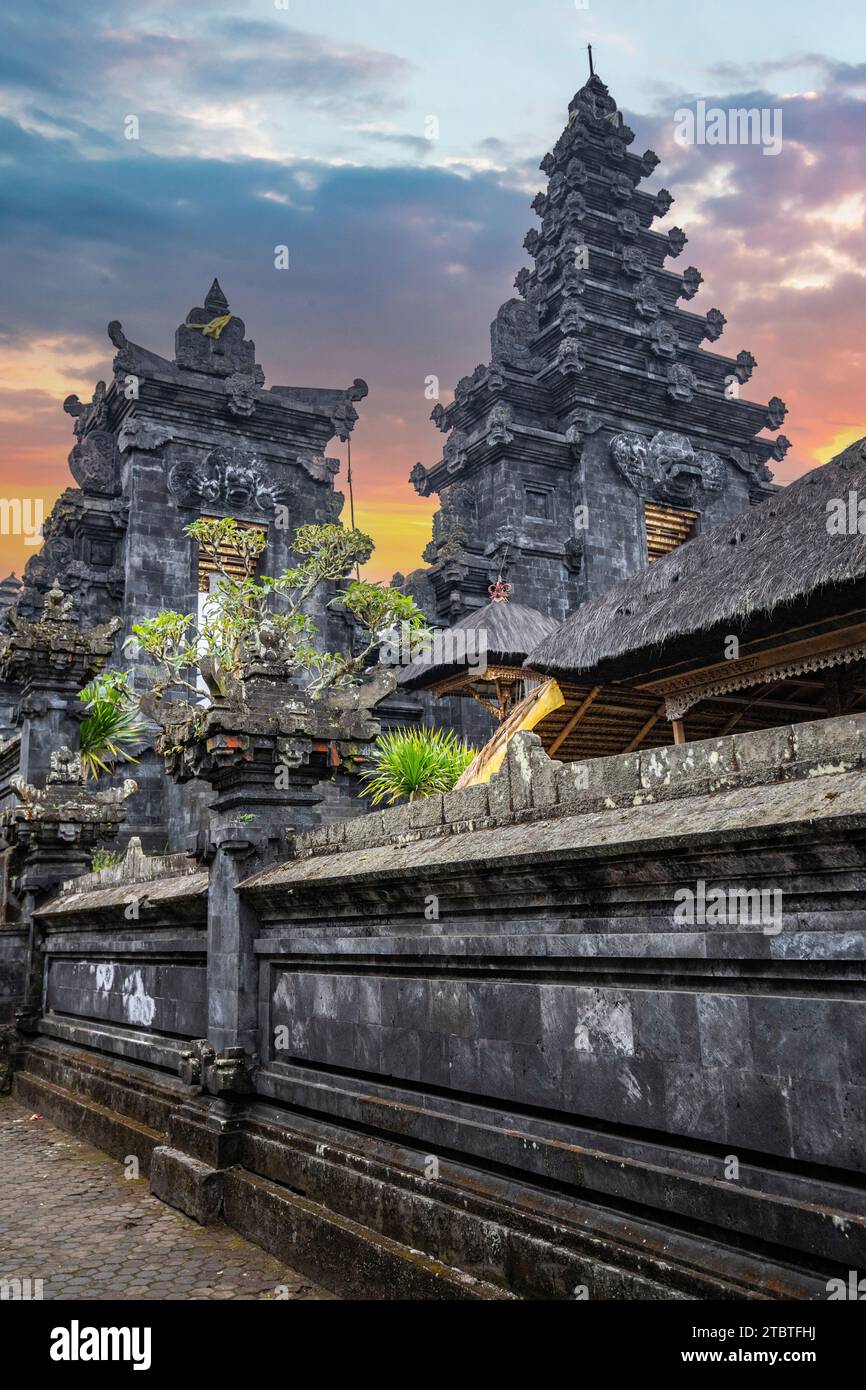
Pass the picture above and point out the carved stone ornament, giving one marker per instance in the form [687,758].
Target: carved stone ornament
[241,390]
[634,261]
[569,356]
[780,447]
[575,206]
[93,464]
[498,422]
[88,417]
[345,415]
[647,298]
[621,187]
[682,382]
[715,325]
[263,718]
[667,467]
[147,435]
[39,652]
[419,480]
[454,452]
[663,339]
[676,241]
[776,412]
[574,552]
[572,316]
[522,281]
[212,340]
[63,803]
[692,281]
[229,478]
[511,333]
[628,222]
[319,468]
[746,364]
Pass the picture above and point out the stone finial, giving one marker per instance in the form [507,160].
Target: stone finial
[66,768]
[215,301]
[57,607]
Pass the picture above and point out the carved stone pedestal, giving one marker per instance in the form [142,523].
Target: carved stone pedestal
[266,748]
[51,660]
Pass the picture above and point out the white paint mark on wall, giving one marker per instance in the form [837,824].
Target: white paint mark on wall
[604,1024]
[138,1005]
[104,977]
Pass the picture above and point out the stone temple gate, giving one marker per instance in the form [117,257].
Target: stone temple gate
[167,441]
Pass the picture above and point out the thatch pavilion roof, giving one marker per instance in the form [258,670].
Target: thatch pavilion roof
[775,554]
[512,630]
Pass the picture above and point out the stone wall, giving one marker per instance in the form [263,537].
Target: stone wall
[13,947]
[491,1059]
[501,973]
[125,956]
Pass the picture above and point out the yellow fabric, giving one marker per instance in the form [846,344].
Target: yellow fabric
[214,328]
[532,709]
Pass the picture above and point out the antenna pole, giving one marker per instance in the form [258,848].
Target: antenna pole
[591,68]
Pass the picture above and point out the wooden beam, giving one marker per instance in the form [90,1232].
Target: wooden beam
[758,669]
[650,724]
[797,706]
[573,721]
[679,730]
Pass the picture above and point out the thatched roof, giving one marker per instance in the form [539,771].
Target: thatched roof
[777,553]
[511,630]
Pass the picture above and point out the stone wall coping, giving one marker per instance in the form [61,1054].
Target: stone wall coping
[77,897]
[782,808]
[532,787]
[134,867]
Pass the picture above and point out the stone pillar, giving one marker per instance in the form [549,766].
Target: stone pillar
[51,660]
[260,799]
[265,748]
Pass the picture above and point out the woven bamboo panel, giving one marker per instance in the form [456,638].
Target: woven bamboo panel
[666,528]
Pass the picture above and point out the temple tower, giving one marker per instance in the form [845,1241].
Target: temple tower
[601,433]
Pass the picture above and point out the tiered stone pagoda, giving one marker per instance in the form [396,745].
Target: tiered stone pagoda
[601,433]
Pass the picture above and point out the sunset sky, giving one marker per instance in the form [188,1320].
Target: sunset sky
[305,124]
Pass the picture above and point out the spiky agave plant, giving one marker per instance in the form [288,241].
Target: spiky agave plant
[415,763]
[111,724]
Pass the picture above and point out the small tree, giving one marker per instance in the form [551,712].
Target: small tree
[265,617]
[414,763]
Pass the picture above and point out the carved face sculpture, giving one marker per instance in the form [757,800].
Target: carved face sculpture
[240,485]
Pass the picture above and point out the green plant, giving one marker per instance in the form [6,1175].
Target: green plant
[265,617]
[111,723]
[415,763]
[104,858]
[244,819]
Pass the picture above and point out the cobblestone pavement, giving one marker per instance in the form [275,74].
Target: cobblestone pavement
[70,1217]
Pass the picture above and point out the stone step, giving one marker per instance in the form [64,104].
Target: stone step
[356,1212]
[348,1258]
